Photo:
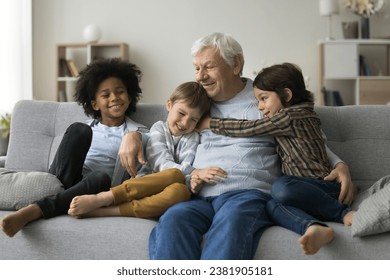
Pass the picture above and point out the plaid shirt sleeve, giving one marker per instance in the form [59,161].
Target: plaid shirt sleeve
[279,124]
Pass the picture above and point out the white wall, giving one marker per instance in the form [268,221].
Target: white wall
[160,34]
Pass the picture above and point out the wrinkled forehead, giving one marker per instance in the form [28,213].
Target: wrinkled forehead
[206,56]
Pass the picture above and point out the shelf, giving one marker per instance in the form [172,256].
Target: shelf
[374,77]
[364,62]
[79,55]
[66,79]
[357,42]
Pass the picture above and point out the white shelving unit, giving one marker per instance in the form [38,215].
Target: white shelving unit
[363,63]
[81,55]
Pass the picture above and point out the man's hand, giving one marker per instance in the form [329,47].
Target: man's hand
[341,174]
[131,151]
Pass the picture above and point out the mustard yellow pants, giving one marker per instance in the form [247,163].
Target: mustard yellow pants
[151,195]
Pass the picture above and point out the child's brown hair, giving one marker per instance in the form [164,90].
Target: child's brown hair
[194,95]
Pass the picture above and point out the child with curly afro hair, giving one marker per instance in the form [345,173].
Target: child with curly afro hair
[86,161]
[94,74]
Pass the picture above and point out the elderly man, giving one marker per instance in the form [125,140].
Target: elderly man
[224,220]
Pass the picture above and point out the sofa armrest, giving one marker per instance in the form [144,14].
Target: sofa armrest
[2,161]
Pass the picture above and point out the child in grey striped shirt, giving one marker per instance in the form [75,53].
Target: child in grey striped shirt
[170,152]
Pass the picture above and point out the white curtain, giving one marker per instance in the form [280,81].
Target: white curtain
[15,52]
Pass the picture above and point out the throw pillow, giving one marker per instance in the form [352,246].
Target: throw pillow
[18,189]
[373,214]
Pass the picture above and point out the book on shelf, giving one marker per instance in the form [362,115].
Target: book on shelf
[65,71]
[332,97]
[72,67]
[363,68]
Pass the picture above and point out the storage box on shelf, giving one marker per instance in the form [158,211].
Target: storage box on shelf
[71,58]
[362,67]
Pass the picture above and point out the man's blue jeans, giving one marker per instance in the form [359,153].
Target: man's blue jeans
[298,202]
[227,226]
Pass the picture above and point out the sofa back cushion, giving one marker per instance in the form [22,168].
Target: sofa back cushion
[38,127]
[359,135]
[36,130]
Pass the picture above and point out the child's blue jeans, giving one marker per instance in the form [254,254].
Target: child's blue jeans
[298,202]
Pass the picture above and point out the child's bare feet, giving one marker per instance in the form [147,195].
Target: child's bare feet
[315,237]
[347,220]
[83,204]
[14,222]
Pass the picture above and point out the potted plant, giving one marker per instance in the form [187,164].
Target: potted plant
[5,124]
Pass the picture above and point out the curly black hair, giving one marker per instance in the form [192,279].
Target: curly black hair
[99,70]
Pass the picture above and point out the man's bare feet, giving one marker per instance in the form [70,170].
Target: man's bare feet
[315,237]
[347,220]
[83,204]
[14,222]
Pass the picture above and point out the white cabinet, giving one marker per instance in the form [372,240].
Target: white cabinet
[79,55]
[359,67]
[341,61]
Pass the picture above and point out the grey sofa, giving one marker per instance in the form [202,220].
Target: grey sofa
[360,135]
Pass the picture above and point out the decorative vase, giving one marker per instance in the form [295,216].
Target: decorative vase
[92,33]
[364,27]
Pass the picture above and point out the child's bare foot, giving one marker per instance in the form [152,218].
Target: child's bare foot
[315,237]
[14,222]
[347,220]
[83,204]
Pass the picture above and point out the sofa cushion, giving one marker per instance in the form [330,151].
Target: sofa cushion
[373,214]
[18,189]
[360,137]
[36,131]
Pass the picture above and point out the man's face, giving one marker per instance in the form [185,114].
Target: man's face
[215,75]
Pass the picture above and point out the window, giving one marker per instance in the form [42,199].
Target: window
[15,52]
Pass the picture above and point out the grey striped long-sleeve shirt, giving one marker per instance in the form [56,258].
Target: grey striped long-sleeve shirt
[297,131]
[165,151]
